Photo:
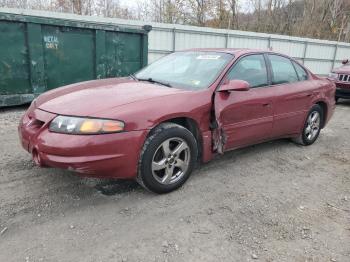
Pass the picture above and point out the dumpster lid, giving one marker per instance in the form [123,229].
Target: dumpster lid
[74,20]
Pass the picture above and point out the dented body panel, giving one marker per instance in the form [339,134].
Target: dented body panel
[267,112]
[39,54]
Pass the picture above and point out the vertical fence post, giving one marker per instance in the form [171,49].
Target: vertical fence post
[269,43]
[305,51]
[174,39]
[334,56]
[227,39]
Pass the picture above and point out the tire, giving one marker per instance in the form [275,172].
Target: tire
[167,158]
[311,130]
[336,100]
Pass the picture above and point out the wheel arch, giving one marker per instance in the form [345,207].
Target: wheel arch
[188,123]
[324,107]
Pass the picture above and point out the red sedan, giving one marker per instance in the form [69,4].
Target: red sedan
[154,126]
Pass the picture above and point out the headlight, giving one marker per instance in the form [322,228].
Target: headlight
[333,75]
[82,126]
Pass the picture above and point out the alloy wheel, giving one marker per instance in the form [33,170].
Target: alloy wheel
[313,125]
[171,161]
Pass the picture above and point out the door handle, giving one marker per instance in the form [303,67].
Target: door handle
[266,105]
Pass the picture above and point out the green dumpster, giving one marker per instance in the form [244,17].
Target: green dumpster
[39,53]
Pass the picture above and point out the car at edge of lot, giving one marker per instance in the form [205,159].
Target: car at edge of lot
[156,125]
[341,77]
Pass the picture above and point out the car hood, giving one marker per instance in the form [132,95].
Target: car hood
[92,97]
[342,70]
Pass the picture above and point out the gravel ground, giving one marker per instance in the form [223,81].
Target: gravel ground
[272,202]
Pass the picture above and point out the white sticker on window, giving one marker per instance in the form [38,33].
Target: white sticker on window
[195,82]
[208,57]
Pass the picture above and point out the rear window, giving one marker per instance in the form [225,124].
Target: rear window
[282,70]
[302,74]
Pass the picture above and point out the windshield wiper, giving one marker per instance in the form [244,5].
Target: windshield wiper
[151,80]
[133,77]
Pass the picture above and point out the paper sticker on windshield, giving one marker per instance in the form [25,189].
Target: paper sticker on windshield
[208,57]
[195,82]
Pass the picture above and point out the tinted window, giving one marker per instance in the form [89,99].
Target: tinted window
[251,69]
[301,72]
[282,70]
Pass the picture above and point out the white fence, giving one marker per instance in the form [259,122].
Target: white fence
[318,55]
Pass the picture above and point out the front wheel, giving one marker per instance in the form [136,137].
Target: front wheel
[312,127]
[167,158]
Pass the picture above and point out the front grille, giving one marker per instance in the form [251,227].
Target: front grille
[344,78]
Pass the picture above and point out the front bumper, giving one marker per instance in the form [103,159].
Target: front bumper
[343,90]
[104,156]
[342,93]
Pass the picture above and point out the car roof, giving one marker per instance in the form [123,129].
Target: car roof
[234,51]
[242,51]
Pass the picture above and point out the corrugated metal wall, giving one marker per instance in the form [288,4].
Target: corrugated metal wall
[318,55]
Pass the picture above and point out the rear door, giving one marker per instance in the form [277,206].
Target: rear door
[293,93]
[244,117]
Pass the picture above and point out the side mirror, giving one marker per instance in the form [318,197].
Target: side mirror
[234,85]
[345,61]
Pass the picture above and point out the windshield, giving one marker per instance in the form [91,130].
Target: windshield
[186,70]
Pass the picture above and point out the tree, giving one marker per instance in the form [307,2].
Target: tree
[325,19]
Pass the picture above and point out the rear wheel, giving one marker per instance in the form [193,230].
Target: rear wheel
[167,158]
[312,127]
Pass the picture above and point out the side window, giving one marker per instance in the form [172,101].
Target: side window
[282,70]
[252,69]
[301,72]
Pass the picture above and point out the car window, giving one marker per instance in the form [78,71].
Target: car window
[190,70]
[301,72]
[282,70]
[179,65]
[252,69]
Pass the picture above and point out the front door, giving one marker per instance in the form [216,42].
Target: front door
[245,117]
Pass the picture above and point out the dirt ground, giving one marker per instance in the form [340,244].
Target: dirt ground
[271,202]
